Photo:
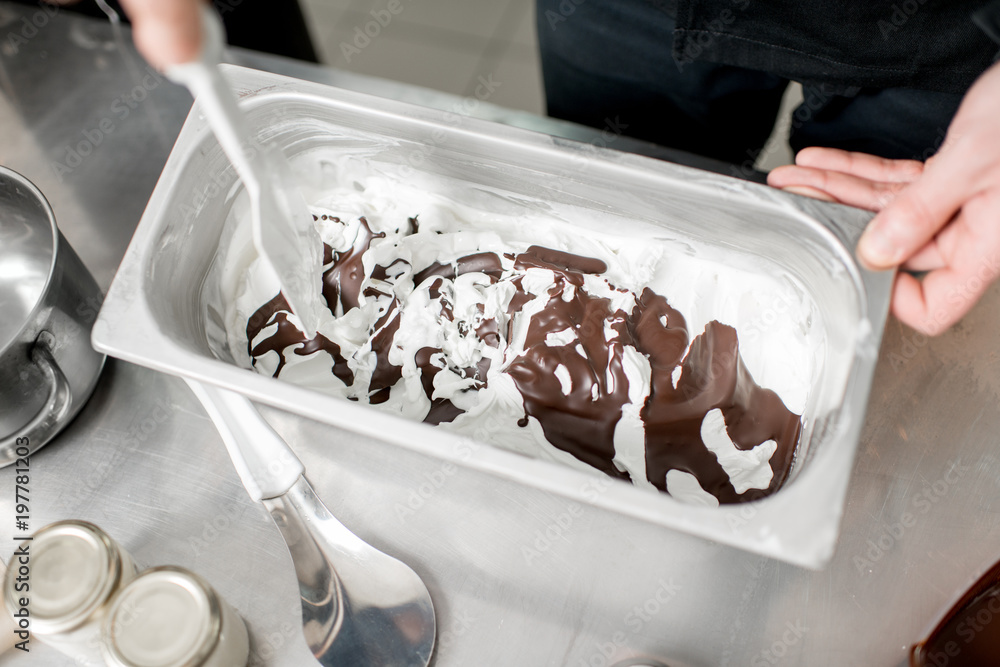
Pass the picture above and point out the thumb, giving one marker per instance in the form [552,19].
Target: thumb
[915,216]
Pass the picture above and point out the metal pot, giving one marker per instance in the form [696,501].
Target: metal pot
[48,303]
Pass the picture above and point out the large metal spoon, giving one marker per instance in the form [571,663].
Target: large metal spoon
[360,607]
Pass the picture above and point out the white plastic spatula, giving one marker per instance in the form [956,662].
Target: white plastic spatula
[283,232]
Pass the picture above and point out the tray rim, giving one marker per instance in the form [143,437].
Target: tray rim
[775,526]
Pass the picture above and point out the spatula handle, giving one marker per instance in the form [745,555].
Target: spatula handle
[265,463]
[203,78]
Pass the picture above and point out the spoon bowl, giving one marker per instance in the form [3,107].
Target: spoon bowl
[369,610]
[360,606]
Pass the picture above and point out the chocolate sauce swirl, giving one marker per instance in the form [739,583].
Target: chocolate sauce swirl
[288,336]
[582,421]
[576,389]
[712,376]
[342,280]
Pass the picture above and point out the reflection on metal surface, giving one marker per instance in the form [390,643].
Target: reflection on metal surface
[27,252]
[347,617]
[360,607]
[140,461]
[48,302]
[53,414]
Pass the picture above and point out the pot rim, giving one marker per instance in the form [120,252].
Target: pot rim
[6,172]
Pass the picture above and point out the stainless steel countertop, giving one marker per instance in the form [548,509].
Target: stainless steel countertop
[519,577]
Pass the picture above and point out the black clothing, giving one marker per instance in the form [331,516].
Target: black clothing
[250,24]
[922,44]
[988,20]
[614,64]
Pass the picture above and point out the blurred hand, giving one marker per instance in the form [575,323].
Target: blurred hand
[942,216]
[166,32]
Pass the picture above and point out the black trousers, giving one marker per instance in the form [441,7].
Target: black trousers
[610,62]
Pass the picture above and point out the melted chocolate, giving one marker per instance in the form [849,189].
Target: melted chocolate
[442,410]
[342,281]
[321,342]
[583,421]
[288,335]
[380,272]
[488,332]
[478,372]
[263,317]
[712,376]
[386,374]
[445,306]
[484,262]
[341,286]
[517,302]
[539,257]
[436,269]
[564,260]
[969,634]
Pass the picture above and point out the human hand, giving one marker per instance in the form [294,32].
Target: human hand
[166,32]
[942,216]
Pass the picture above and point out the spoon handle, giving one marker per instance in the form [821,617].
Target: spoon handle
[266,465]
[360,606]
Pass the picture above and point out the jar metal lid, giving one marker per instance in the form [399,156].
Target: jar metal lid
[166,617]
[73,567]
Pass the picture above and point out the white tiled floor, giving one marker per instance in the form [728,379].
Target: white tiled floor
[449,45]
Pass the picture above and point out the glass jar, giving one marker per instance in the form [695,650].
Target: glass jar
[170,617]
[59,583]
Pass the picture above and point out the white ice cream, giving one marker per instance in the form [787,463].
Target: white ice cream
[781,352]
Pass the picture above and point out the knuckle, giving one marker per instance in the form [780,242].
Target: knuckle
[917,212]
[909,169]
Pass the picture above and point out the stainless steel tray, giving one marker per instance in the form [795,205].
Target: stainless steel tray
[163,308]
